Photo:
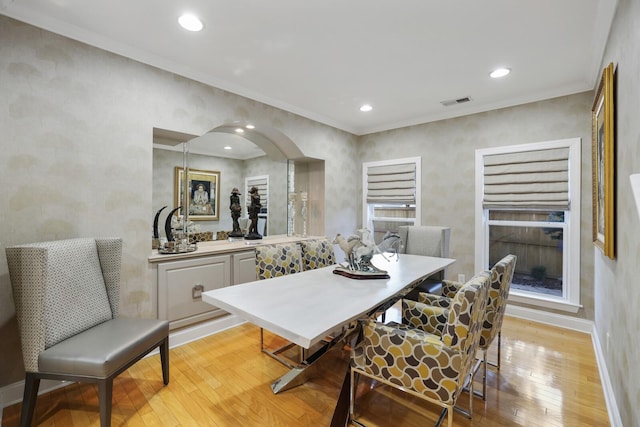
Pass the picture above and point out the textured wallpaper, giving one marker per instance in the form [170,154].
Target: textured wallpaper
[447,149]
[77,132]
[77,160]
[617,288]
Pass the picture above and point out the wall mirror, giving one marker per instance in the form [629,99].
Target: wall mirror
[237,154]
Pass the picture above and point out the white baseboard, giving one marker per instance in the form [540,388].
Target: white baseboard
[548,318]
[609,396]
[188,334]
[580,325]
[12,393]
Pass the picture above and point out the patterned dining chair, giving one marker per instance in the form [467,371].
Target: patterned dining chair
[433,367]
[66,297]
[274,261]
[430,310]
[317,253]
[277,260]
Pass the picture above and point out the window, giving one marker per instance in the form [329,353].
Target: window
[390,191]
[528,204]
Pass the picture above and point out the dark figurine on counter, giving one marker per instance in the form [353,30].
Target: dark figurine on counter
[254,210]
[236,211]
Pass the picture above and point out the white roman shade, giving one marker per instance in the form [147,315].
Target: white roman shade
[262,183]
[537,179]
[392,183]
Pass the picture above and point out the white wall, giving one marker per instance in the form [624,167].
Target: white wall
[76,140]
[76,147]
[448,149]
[617,284]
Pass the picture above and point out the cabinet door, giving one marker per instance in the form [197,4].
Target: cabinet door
[181,283]
[244,267]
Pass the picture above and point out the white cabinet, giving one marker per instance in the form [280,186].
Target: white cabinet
[180,279]
[244,267]
[181,283]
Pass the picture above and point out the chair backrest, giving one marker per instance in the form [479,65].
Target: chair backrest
[428,240]
[317,253]
[277,260]
[464,323]
[501,277]
[62,288]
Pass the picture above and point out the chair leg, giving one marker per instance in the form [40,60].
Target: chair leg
[352,394]
[164,360]
[499,347]
[484,373]
[482,362]
[31,385]
[448,410]
[470,415]
[105,392]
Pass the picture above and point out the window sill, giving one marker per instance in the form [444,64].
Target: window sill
[543,301]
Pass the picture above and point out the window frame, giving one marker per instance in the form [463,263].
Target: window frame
[368,208]
[570,301]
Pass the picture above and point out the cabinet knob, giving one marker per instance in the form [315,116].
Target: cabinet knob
[196,291]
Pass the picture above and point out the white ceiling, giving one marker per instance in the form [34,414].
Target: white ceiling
[210,144]
[323,59]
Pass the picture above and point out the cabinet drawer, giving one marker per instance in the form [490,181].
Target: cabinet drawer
[244,267]
[181,284]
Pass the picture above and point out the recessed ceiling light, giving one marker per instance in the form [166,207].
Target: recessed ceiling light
[226,147]
[190,22]
[239,130]
[499,72]
[366,107]
[250,126]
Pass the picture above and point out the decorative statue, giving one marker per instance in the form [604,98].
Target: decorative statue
[392,243]
[254,210]
[236,210]
[177,229]
[156,233]
[359,249]
[167,225]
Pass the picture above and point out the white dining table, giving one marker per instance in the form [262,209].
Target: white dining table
[306,307]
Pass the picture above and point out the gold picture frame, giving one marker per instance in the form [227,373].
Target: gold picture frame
[203,191]
[603,158]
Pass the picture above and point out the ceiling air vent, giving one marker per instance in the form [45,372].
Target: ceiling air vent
[455,101]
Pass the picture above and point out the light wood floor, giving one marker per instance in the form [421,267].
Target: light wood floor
[548,378]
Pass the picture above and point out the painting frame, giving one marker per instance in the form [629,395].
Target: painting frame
[603,164]
[201,184]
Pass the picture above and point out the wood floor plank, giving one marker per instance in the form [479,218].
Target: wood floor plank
[548,377]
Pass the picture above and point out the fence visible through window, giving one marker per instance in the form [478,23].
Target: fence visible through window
[536,238]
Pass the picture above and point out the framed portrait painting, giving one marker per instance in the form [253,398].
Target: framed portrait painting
[202,195]
[603,157]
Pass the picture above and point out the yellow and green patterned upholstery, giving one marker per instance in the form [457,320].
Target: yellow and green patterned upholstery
[501,277]
[317,254]
[428,312]
[430,318]
[277,260]
[434,367]
[424,313]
